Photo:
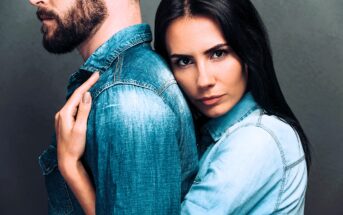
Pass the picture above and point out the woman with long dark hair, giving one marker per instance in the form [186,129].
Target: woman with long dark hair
[244,31]
[254,155]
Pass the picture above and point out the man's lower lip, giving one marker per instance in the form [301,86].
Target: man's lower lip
[47,20]
[211,101]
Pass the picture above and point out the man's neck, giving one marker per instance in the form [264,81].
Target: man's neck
[120,15]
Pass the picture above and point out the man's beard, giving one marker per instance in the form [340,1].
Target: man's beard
[74,28]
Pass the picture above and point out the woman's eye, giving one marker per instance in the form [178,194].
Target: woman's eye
[218,54]
[183,61]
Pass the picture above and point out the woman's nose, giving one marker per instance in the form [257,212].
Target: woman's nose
[206,77]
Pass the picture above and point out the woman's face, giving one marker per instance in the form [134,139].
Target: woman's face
[204,65]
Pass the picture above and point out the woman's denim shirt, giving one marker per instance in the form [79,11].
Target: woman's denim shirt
[140,150]
[254,164]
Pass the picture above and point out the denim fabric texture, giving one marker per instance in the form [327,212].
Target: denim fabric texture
[140,150]
[254,164]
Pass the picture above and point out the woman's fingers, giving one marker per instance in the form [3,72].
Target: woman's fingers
[71,122]
[90,82]
[69,112]
[72,132]
[82,114]
[75,99]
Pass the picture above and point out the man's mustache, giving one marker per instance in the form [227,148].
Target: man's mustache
[43,14]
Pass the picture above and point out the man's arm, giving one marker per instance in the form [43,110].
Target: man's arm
[138,157]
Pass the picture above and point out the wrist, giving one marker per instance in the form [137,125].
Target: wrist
[68,166]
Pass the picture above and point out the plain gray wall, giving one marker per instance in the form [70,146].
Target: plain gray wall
[307,42]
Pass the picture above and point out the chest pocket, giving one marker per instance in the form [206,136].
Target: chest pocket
[58,192]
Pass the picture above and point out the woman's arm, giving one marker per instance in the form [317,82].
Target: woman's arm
[79,182]
[71,127]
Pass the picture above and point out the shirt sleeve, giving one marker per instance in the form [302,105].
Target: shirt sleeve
[244,168]
[138,157]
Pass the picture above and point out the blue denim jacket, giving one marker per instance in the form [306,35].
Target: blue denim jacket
[140,150]
[254,164]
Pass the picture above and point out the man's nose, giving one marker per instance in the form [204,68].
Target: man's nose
[37,2]
[206,77]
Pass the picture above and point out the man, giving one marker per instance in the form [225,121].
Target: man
[140,152]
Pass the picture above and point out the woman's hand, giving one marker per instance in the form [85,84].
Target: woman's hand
[71,127]
[71,122]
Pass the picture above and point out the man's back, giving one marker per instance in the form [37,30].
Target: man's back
[140,138]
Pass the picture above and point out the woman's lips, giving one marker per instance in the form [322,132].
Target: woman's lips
[212,100]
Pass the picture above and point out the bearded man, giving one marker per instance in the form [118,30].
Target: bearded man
[139,121]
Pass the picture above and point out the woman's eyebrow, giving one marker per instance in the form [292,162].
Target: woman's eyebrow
[208,51]
[214,48]
[179,56]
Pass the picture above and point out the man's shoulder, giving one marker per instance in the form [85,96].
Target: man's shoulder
[144,66]
[142,69]
[127,107]
[141,76]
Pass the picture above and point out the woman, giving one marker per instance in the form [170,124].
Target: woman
[254,153]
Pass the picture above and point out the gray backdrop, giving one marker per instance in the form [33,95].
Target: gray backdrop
[307,42]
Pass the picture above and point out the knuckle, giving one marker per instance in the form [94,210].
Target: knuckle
[83,107]
[57,115]
[63,114]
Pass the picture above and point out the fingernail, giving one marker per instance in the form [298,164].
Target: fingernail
[86,98]
[96,73]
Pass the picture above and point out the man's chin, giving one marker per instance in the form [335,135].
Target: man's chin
[48,29]
[56,48]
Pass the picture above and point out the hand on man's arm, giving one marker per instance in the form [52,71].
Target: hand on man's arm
[70,128]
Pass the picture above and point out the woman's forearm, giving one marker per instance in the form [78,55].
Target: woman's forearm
[79,182]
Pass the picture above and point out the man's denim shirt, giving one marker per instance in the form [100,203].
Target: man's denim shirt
[140,150]
[254,164]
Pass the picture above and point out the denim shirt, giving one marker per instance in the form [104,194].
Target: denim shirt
[140,149]
[254,164]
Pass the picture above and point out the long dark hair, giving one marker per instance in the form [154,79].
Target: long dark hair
[245,32]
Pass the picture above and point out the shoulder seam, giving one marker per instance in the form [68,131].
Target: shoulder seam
[258,124]
[182,111]
[295,163]
[166,86]
[110,85]
[283,180]
[271,133]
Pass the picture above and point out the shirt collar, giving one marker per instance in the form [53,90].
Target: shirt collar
[104,56]
[218,126]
